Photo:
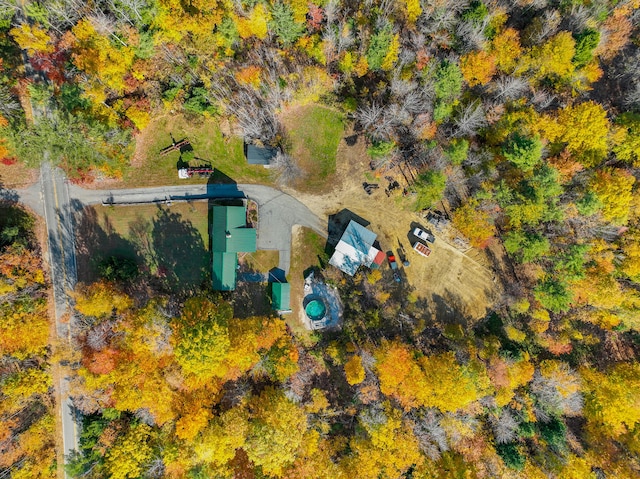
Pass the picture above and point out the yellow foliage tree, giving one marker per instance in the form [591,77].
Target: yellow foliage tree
[21,386]
[319,401]
[353,370]
[140,118]
[598,289]
[630,245]
[197,18]
[256,24]
[474,223]
[507,376]
[612,403]
[126,459]
[201,338]
[218,444]
[315,459]
[361,67]
[389,450]
[96,55]
[551,59]
[413,10]
[577,467]
[431,381]
[300,9]
[584,129]
[391,57]
[614,189]
[101,299]
[24,334]
[32,38]
[506,49]
[277,426]
[190,424]
[478,67]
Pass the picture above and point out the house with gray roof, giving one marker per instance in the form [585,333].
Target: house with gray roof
[356,249]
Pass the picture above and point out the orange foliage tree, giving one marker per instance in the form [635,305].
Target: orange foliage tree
[478,67]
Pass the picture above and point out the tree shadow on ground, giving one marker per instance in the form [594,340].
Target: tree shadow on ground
[8,196]
[220,178]
[180,253]
[95,243]
[16,225]
[450,311]
[251,299]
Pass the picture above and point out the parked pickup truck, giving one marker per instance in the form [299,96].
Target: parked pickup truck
[424,235]
[422,249]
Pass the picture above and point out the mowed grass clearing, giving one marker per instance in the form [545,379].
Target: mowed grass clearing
[170,243]
[261,261]
[313,133]
[122,218]
[225,153]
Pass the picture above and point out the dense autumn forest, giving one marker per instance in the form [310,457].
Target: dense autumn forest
[27,409]
[524,116]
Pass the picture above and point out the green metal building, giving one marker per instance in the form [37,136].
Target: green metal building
[229,236]
[280,296]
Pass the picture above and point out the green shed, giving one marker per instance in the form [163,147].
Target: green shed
[280,296]
[229,236]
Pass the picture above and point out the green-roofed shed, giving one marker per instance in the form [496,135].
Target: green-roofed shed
[280,296]
[229,236]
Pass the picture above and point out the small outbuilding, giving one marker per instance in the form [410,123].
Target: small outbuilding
[259,155]
[281,296]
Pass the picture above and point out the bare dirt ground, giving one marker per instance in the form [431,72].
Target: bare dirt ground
[17,176]
[457,286]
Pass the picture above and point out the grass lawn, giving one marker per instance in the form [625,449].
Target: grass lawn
[168,243]
[307,248]
[261,261]
[314,133]
[225,154]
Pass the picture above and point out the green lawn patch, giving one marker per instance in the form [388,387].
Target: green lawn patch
[313,133]
[261,261]
[224,153]
[169,244]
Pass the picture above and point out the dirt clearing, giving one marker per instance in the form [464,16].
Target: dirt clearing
[17,175]
[458,287]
